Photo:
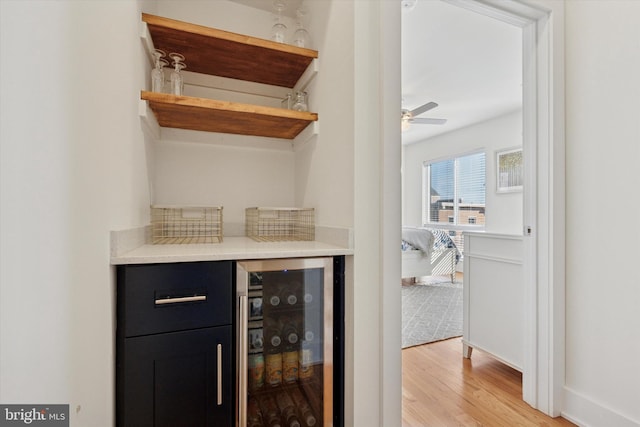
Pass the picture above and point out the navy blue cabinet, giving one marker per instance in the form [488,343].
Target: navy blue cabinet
[175,360]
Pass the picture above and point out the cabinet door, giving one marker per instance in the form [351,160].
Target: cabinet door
[179,379]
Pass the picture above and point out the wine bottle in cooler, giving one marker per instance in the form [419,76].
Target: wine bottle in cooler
[270,411]
[306,414]
[289,330]
[274,299]
[256,339]
[273,369]
[290,352]
[292,293]
[287,409]
[309,335]
[286,294]
[305,363]
[254,414]
[272,334]
[290,366]
[307,297]
[305,356]
[256,371]
[273,352]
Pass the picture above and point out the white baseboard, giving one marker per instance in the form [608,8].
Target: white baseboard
[586,412]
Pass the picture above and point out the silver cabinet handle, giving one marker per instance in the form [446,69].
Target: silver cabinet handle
[161,301]
[219,374]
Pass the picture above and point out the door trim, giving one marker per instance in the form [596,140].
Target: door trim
[542,22]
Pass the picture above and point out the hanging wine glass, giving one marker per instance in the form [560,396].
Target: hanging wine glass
[157,74]
[279,30]
[177,82]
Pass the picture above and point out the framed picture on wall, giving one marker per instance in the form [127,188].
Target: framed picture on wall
[509,170]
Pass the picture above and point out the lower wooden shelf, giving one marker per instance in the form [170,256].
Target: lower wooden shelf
[209,115]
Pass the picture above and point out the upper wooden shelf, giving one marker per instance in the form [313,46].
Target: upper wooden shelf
[222,53]
[186,112]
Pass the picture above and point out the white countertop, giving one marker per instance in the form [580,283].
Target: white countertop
[232,248]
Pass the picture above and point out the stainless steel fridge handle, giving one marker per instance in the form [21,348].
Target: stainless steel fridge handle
[243,325]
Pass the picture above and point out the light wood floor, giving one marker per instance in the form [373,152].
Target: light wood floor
[440,388]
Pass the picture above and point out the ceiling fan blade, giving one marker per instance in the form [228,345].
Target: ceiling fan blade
[423,108]
[426,121]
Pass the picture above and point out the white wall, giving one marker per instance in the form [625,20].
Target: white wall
[324,164]
[188,173]
[73,167]
[603,154]
[221,14]
[503,210]
[365,362]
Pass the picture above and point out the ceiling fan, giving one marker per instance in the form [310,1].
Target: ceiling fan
[409,116]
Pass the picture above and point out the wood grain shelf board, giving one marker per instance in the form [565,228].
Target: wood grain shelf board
[222,53]
[186,112]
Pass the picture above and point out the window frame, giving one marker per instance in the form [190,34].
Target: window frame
[426,185]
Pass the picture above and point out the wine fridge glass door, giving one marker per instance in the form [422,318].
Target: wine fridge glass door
[285,339]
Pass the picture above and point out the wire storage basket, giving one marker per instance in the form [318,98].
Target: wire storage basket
[186,224]
[280,224]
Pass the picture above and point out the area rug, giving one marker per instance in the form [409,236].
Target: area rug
[431,311]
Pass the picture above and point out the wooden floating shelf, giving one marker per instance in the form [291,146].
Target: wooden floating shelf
[186,112]
[222,53]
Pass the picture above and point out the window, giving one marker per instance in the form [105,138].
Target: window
[455,191]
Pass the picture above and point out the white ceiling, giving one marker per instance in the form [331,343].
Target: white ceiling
[471,65]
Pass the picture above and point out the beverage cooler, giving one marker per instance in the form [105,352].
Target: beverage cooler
[290,347]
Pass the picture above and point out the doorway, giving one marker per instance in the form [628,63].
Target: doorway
[543,148]
[463,176]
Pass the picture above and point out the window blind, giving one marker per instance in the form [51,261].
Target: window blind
[455,191]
